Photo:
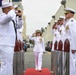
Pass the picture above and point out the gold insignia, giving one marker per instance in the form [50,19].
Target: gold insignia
[67,27]
[40,39]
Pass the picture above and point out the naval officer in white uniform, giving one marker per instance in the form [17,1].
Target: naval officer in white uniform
[19,22]
[7,39]
[70,33]
[39,49]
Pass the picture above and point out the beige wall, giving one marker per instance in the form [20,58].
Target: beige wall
[48,33]
[24,28]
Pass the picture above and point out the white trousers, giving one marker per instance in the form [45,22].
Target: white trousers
[72,63]
[38,60]
[6,58]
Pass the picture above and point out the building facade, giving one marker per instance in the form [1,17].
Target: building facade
[24,28]
[47,34]
[16,0]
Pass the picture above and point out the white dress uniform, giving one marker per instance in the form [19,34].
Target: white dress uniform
[19,22]
[56,35]
[7,41]
[62,34]
[70,28]
[62,29]
[19,35]
[39,48]
[54,39]
[19,26]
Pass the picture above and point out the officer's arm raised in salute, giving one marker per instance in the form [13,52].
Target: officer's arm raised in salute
[8,17]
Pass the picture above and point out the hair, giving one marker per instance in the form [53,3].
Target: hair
[3,9]
[39,32]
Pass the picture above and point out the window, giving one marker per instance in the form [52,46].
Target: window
[16,0]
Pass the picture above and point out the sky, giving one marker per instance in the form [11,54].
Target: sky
[38,13]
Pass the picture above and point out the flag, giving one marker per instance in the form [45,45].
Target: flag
[0,3]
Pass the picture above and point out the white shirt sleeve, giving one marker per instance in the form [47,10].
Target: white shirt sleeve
[12,14]
[7,17]
[72,27]
[19,22]
[31,37]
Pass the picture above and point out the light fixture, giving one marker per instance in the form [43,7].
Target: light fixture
[49,23]
[53,17]
[42,29]
[63,2]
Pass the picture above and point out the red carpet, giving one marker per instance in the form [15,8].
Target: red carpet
[32,71]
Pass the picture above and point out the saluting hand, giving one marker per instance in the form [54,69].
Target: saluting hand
[19,13]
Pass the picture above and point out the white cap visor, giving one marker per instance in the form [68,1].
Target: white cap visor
[4,5]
